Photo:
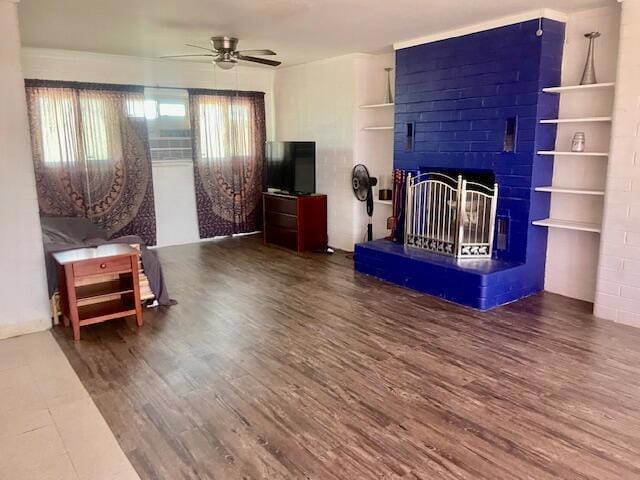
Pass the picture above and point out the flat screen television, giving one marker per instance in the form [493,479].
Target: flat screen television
[291,167]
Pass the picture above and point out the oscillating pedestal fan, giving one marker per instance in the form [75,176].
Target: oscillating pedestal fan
[362,182]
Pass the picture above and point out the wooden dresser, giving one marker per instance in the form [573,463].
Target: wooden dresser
[298,222]
[87,297]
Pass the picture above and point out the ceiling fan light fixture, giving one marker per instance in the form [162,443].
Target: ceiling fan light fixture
[225,65]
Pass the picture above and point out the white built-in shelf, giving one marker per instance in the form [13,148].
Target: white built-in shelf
[577,120]
[568,225]
[575,191]
[383,202]
[578,88]
[573,154]
[378,105]
[383,127]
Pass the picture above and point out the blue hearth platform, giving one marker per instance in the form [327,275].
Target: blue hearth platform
[480,284]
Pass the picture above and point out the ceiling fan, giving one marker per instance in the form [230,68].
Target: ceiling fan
[224,54]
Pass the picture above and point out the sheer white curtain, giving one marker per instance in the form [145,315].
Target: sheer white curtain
[227,124]
[59,128]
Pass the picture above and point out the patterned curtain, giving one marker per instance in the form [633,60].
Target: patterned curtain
[91,155]
[228,153]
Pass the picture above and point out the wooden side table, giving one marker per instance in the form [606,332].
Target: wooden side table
[86,297]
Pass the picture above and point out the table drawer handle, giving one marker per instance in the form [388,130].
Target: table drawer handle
[103,265]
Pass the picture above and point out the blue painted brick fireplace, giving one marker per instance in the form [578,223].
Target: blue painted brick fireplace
[458,93]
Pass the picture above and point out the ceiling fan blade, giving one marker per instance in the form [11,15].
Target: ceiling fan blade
[189,55]
[201,48]
[264,61]
[257,52]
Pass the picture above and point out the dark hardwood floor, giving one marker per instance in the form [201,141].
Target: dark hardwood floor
[278,366]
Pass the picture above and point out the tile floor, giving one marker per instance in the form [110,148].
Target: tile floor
[50,428]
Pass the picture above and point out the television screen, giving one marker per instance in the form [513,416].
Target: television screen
[291,166]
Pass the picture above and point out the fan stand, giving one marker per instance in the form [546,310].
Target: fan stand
[370,214]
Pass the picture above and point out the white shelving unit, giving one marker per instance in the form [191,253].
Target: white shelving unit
[573,154]
[554,189]
[378,105]
[568,225]
[579,88]
[574,191]
[577,120]
[376,123]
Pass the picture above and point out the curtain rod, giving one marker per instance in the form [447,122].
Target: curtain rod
[30,82]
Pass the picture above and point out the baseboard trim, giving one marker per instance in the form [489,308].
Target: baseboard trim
[24,328]
[204,240]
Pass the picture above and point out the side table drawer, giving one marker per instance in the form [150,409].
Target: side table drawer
[98,267]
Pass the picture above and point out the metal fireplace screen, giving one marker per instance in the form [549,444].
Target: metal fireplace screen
[450,216]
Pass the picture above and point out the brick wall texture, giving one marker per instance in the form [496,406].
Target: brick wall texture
[618,286]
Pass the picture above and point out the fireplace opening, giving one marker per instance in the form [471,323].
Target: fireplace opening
[452,212]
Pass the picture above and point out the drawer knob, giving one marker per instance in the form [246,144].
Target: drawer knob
[103,265]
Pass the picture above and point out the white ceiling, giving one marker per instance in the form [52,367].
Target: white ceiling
[299,30]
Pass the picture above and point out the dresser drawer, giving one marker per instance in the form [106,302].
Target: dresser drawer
[274,203]
[101,266]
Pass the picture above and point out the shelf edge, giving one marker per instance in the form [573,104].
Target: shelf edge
[575,154]
[571,191]
[568,225]
[575,120]
[573,88]
[377,105]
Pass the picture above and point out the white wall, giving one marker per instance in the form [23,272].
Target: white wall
[23,297]
[316,102]
[320,101]
[175,199]
[572,256]
[173,182]
[618,287]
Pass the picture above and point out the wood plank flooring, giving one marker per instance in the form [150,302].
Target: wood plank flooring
[278,366]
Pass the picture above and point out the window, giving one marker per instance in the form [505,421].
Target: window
[61,113]
[58,142]
[150,109]
[172,109]
[143,109]
[166,102]
[94,132]
[167,114]
[227,130]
